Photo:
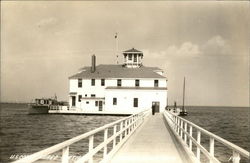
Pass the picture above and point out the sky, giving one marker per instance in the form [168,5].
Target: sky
[45,42]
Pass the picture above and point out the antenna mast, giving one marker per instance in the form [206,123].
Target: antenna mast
[183,95]
[116,41]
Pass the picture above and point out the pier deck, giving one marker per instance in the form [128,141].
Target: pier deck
[152,142]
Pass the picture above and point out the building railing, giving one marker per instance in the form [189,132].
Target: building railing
[122,130]
[183,130]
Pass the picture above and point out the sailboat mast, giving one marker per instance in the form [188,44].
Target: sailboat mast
[183,105]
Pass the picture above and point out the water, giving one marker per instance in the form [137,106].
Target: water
[23,134]
[230,123]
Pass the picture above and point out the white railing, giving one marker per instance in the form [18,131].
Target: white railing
[180,126]
[122,130]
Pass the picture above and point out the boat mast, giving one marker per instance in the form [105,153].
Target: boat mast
[183,105]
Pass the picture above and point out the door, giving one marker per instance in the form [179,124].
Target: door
[156,106]
[73,100]
[100,105]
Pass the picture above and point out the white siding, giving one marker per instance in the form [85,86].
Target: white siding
[124,96]
[125,99]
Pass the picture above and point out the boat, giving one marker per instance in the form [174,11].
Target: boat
[43,105]
[174,109]
[183,111]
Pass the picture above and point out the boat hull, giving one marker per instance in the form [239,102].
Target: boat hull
[38,109]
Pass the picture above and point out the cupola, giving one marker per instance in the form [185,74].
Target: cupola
[132,58]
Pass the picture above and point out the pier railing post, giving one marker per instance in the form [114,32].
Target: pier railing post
[181,129]
[105,140]
[178,124]
[211,147]
[236,157]
[121,127]
[185,135]
[91,145]
[65,155]
[190,140]
[198,141]
[125,125]
[114,141]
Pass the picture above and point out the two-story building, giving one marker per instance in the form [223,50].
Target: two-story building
[118,89]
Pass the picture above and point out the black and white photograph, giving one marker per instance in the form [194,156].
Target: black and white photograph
[125,81]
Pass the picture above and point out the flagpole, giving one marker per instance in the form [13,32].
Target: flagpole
[116,40]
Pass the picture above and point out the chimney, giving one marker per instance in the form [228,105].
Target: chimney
[93,64]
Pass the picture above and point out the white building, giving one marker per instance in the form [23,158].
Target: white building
[118,89]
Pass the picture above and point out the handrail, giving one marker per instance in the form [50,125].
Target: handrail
[176,123]
[127,127]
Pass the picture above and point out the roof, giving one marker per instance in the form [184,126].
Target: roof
[117,71]
[133,50]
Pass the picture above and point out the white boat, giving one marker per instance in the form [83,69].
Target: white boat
[43,105]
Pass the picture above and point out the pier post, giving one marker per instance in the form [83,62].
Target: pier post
[65,155]
[91,145]
[181,129]
[236,157]
[121,126]
[190,140]
[185,135]
[105,140]
[178,124]
[114,141]
[211,147]
[198,141]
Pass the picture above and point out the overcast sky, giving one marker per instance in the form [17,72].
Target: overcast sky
[43,43]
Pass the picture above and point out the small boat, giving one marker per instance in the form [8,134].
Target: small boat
[43,105]
[174,109]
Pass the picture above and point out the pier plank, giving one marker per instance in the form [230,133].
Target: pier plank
[151,143]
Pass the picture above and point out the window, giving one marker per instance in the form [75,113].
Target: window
[85,95]
[137,83]
[96,103]
[135,58]
[156,83]
[114,101]
[87,102]
[102,82]
[79,83]
[130,57]
[92,95]
[92,82]
[79,98]
[119,82]
[135,102]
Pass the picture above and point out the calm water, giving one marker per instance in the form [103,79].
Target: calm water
[23,134]
[230,123]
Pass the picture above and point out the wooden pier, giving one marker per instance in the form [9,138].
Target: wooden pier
[142,138]
[152,142]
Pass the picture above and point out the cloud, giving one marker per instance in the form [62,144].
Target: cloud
[47,22]
[216,46]
[187,49]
